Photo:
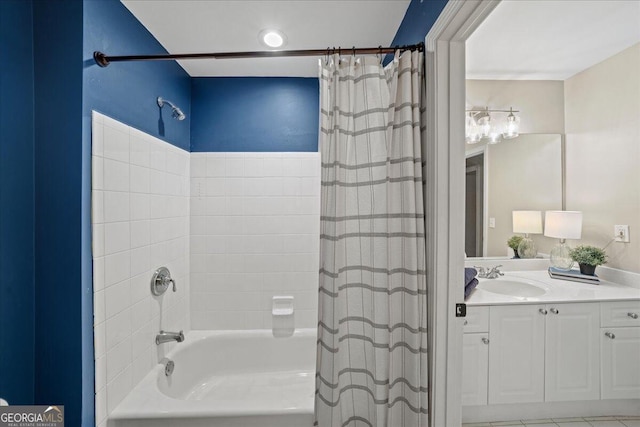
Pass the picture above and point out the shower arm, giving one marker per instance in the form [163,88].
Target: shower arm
[104,60]
[161,101]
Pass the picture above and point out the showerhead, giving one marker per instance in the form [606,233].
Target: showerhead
[176,112]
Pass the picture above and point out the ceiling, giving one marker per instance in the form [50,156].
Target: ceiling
[550,39]
[187,26]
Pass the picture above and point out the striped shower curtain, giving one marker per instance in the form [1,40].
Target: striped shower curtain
[371,351]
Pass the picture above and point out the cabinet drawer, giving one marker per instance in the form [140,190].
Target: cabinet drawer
[619,313]
[477,320]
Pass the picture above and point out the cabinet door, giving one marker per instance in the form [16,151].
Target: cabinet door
[475,368]
[572,352]
[516,354]
[620,363]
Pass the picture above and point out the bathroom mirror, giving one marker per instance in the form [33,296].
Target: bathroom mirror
[523,173]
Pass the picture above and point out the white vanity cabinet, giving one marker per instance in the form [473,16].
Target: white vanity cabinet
[551,353]
[544,353]
[620,346]
[516,355]
[572,352]
[475,356]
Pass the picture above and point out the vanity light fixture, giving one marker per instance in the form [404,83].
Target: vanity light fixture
[527,222]
[491,125]
[562,225]
[272,39]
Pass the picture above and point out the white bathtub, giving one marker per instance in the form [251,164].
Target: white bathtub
[228,379]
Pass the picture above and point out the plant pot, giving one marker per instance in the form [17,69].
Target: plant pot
[587,270]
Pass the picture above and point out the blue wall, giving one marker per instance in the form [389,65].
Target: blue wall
[16,202]
[68,85]
[254,114]
[127,91]
[60,362]
[417,21]
[277,114]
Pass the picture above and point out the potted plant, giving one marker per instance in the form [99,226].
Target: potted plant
[513,243]
[588,258]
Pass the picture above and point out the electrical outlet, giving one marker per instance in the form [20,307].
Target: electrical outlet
[492,223]
[622,233]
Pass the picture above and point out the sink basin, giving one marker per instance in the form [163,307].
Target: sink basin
[511,287]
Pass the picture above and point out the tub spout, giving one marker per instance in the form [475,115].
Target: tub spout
[165,336]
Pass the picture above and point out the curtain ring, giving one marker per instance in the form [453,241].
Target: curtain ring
[380,53]
[326,59]
[354,51]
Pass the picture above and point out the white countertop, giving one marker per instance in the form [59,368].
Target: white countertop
[555,291]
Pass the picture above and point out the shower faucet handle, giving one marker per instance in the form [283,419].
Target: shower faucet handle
[161,280]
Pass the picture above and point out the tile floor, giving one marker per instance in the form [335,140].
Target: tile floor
[613,421]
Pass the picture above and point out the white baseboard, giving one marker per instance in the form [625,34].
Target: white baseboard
[531,411]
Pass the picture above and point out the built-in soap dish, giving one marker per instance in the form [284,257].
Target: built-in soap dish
[282,306]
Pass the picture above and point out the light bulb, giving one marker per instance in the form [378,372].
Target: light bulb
[272,38]
[494,137]
[471,130]
[486,127]
[513,126]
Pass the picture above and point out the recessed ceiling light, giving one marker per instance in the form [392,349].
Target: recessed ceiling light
[272,38]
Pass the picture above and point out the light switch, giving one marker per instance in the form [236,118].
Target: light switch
[492,223]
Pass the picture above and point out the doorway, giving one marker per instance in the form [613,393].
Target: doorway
[474,202]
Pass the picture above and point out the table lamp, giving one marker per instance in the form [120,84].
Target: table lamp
[562,225]
[527,222]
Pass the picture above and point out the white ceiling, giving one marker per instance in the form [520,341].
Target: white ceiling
[187,26]
[550,39]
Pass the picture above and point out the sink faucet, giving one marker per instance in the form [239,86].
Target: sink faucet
[491,273]
[165,336]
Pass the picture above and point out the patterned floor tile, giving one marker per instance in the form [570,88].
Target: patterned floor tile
[631,423]
[606,423]
[574,424]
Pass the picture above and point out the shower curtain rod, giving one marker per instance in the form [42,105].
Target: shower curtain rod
[104,60]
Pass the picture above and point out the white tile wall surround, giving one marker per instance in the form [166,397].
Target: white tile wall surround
[255,221]
[140,217]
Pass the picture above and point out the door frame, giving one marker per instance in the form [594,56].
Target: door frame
[444,195]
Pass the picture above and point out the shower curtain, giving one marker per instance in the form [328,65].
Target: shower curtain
[372,347]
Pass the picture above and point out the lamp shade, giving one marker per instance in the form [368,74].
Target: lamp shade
[528,222]
[563,224]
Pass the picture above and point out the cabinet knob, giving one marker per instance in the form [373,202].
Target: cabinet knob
[555,311]
[633,315]
[485,340]
[610,335]
[466,323]
[543,311]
